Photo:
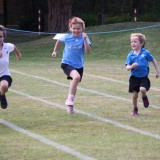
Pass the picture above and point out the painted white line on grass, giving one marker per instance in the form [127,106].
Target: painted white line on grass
[105,120]
[80,88]
[113,80]
[46,141]
[105,78]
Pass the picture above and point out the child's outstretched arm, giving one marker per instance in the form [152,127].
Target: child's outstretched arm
[54,53]
[18,54]
[86,45]
[156,68]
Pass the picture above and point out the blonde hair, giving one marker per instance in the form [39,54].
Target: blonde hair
[141,38]
[76,20]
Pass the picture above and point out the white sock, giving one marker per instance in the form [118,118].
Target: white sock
[71,96]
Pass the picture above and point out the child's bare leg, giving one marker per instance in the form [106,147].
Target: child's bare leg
[3,90]
[3,87]
[134,101]
[72,91]
[74,83]
[143,91]
[144,97]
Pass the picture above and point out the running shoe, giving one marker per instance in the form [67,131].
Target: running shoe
[70,109]
[145,101]
[69,102]
[134,113]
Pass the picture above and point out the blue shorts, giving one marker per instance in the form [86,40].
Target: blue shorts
[67,70]
[135,83]
[7,78]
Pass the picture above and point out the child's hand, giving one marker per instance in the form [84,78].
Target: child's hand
[18,57]
[54,54]
[1,54]
[134,65]
[84,35]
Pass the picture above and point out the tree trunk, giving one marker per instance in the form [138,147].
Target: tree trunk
[58,15]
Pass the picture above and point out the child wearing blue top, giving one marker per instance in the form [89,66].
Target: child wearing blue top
[137,63]
[76,44]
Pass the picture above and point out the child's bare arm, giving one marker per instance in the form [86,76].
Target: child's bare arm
[54,53]
[18,54]
[156,68]
[86,45]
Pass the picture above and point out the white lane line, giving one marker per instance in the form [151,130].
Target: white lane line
[46,141]
[80,88]
[113,80]
[105,78]
[105,120]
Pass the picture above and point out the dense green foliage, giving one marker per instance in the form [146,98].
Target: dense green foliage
[96,12]
[113,11]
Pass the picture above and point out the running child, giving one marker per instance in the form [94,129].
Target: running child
[5,77]
[137,63]
[76,44]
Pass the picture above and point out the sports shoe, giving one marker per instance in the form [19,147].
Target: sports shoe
[134,113]
[70,109]
[145,101]
[3,101]
[69,102]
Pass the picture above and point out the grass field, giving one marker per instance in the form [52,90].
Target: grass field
[36,125]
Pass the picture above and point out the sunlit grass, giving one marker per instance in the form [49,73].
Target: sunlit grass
[103,92]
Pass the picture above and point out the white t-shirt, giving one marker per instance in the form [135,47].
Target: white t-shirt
[4,61]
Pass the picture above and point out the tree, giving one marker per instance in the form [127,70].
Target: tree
[59,12]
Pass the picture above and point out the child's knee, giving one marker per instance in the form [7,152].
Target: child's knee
[77,78]
[135,96]
[4,87]
[142,89]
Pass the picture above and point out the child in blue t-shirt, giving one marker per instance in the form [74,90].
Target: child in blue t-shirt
[76,44]
[138,63]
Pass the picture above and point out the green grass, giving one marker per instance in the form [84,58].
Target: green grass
[86,135]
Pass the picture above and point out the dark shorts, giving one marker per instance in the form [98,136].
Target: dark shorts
[67,70]
[7,78]
[135,83]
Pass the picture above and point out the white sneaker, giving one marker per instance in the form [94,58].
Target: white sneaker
[69,102]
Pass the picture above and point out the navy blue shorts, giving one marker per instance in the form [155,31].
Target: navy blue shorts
[7,78]
[67,70]
[135,83]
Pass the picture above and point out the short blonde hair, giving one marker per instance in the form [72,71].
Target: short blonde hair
[76,20]
[141,37]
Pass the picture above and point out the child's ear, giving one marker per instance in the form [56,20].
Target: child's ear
[143,44]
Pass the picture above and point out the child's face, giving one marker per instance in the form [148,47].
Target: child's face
[76,29]
[135,43]
[1,36]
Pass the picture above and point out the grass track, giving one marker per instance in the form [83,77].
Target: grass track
[86,135]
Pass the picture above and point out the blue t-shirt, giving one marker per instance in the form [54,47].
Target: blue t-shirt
[73,53]
[143,59]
